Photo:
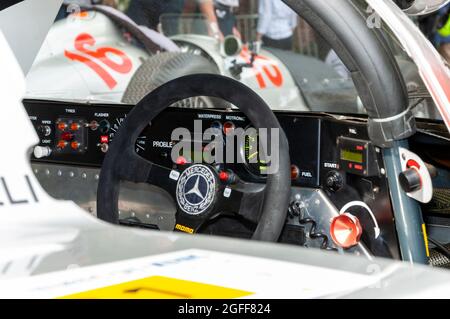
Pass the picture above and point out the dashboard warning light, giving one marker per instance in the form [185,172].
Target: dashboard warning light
[412,163]
[346,230]
[228,128]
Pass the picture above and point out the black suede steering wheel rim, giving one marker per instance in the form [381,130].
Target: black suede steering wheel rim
[117,161]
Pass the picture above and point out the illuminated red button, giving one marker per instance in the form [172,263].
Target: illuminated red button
[228,128]
[227,177]
[75,145]
[412,163]
[62,126]
[74,127]
[359,167]
[61,144]
[360,148]
[224,176]
[104,139]
[181,160]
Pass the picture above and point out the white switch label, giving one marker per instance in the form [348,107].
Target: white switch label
[227,192]
[174,175]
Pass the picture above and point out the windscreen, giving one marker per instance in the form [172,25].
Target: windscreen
[261,43]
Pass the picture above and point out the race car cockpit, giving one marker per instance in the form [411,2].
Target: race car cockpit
[340,143]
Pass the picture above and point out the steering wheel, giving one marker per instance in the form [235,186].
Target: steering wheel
[199,193]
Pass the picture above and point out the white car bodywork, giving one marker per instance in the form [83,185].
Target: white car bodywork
[269,77]
[62,70]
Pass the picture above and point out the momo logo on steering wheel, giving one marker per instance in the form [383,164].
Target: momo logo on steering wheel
[196,188]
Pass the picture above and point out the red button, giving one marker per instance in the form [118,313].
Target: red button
[228,128]
[359,167]
[61,144]
[62,126]
[412,163]
[74,127]
[224,176]
[295,172]
[104,139]
[181,160]
[360,148]
[75,145]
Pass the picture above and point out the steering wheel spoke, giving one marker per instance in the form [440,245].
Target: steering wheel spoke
[243,199]
[133,168]
[139,170]
[164,178]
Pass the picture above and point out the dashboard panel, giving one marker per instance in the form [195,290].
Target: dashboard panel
[100,123]
[331,156]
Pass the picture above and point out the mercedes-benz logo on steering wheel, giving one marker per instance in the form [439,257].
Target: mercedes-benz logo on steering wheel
[196,189]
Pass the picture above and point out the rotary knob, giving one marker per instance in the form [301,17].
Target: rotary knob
[45,130]
[410,180]
[334,181]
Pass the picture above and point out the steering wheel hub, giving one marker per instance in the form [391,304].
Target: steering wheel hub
[196,189]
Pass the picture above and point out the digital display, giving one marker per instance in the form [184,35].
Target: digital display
[351,156]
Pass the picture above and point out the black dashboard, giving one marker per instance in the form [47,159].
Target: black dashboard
[79,134]
[327,153]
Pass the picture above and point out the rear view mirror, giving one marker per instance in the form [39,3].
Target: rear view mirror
[420,7]
[231,46]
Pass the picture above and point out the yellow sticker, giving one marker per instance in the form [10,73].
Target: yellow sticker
[159,287]
[184,229]
[425,238]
